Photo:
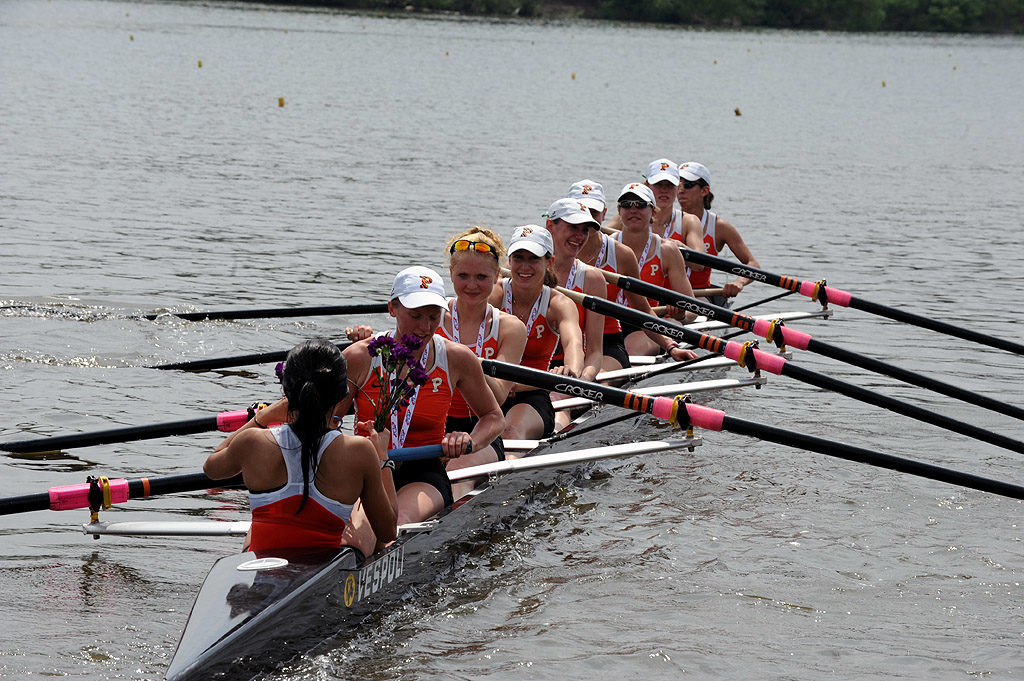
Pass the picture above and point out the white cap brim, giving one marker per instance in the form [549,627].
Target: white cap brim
[531,246]
[658,177]
[591,203]
[422,299]
[688,176]
[580,219]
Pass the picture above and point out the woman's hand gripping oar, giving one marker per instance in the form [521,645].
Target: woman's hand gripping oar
[687,414]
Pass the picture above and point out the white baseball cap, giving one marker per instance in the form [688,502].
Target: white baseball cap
[693,171]
[532,238]
[662,169]
[419,287]
[572,211]
[589,193]
[638,189]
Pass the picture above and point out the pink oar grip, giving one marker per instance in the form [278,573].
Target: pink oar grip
[705,417]
[835,295]
[230,421]
[77,496]
[663,407]
[792,337]
[765,360]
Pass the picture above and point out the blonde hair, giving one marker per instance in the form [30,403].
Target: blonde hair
[481,234]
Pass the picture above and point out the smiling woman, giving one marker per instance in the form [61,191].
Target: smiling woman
[473,258]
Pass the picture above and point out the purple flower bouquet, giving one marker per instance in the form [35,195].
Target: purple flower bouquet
[396,358]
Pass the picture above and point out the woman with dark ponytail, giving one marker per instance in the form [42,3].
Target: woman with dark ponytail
[304,476]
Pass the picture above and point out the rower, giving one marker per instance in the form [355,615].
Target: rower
[473,258]
[661,262]
[305,476]
[551,318]
[695,197]
[570,222]
[611,255]
[417,303]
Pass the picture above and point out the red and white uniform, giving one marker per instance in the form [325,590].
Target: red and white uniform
[541,339]
[674,226]
[276,520]
[606,260]
[702,279]
[574,282]
[429,405]
[652,270]
[486,346]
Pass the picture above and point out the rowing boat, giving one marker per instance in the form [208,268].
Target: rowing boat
[256,609]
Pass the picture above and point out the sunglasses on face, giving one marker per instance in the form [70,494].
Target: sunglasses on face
[687,184]
[478,246]
[629,203]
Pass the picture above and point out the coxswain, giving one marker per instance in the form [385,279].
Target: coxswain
[473,258]
[551,319]
[694,193]
[304,476]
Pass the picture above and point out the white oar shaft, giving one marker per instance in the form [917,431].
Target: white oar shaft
[570,458]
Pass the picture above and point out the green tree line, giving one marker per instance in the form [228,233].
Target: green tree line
[958,16]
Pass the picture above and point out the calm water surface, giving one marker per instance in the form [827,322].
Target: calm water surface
[132,179]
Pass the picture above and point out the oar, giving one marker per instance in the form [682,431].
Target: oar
[827,294]
[267,312]
[803,341]
[226,422]
[687,413]
[778,364]
[235,361]
[104,492]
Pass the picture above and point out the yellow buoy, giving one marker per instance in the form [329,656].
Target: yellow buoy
[280,101]
[574,76]
[131,37]
[883,83]
[716,61]
[200,63]
[446,53]
[737,111]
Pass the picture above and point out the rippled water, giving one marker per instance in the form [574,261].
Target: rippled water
[133,180]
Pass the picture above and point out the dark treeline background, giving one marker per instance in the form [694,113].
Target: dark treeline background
[967,16]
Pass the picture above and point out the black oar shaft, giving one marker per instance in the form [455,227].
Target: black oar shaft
[775,364]
[914,378]
[320,310]
[871,457]
[840,297]
[800,339]
[105,437]
[235,361]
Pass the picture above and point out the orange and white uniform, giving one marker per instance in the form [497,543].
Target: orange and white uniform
[574,282]
[674,227]
[541,339]
[702,279]
[606,260]
[428,406]
[486,346]
[277,521]
[652,270]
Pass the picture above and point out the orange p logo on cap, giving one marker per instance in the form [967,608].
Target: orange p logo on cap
[425,282]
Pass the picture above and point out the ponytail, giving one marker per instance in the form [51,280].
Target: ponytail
[315,378]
